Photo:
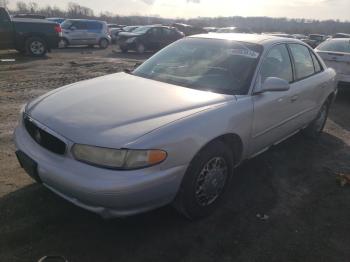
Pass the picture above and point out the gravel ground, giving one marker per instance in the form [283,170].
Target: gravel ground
[293,184]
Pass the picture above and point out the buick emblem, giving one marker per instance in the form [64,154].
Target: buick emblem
[37,136]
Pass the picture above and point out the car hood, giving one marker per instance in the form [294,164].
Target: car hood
[116,109]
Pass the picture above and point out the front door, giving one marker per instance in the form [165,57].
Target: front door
[78,33]
[274,111]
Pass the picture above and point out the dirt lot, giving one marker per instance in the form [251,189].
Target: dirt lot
[294,184]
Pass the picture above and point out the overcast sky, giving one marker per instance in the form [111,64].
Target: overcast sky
[318,9]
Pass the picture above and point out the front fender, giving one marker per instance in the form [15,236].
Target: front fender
[184,138]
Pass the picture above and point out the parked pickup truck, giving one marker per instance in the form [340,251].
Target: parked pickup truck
[35,37]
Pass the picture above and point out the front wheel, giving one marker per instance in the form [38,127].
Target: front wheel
[205,182]
[36,46]
[315,128]
[104,43]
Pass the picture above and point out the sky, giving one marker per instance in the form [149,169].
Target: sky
[309,9]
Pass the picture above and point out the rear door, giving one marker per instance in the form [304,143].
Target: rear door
[78,33]
[6,30]
[168,36]
[274,111]
[309,83]
[154,38]
[94,30]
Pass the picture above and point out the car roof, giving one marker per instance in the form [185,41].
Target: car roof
[264,40]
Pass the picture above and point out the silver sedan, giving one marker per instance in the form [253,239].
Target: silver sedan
[174,129]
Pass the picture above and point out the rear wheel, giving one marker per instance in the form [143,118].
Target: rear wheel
[205,182]
[315,128]
[36,46]
[103,43]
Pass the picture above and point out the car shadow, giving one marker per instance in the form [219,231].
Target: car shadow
[339,111]
[281,184]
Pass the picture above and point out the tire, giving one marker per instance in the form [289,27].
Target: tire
[203,187]
[104,43]
[140,48]
[36,46]
[315,128]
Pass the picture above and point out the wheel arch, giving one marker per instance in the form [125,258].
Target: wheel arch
[234,143]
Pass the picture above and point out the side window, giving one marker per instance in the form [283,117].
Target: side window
[304,65]
[317,65]
[277,64]
[94,26]
[79,25]
[156,32]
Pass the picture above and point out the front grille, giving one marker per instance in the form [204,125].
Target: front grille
[44,138]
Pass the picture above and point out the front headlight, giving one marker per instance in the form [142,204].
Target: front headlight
[118,158]
[130,40]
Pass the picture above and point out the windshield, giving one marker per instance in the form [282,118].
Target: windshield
[66,24]
[141,30]
[335,46]
[316,37]
[207,64]
[129,28]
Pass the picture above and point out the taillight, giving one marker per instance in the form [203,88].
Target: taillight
[58,29]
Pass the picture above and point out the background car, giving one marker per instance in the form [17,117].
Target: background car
[85,32]
[58,20]
[233,29]
[336,54]
[281,35]
[148,38]
[35,37]
[32,16]
[341,35]
[188,29]
[114,32]
[314,40]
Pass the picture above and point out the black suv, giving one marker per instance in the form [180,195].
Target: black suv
[26,35]
[147,38]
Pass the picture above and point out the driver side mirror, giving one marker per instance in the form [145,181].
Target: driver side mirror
[273,84]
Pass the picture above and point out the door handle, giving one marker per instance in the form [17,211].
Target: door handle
[294,98]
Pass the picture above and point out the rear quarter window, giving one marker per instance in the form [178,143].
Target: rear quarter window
[94,26]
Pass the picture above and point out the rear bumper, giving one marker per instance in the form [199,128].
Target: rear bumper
[109,193]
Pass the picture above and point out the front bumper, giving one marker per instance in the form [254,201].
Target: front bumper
[110,193]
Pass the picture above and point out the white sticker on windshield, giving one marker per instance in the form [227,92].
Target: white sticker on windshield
[244,52]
